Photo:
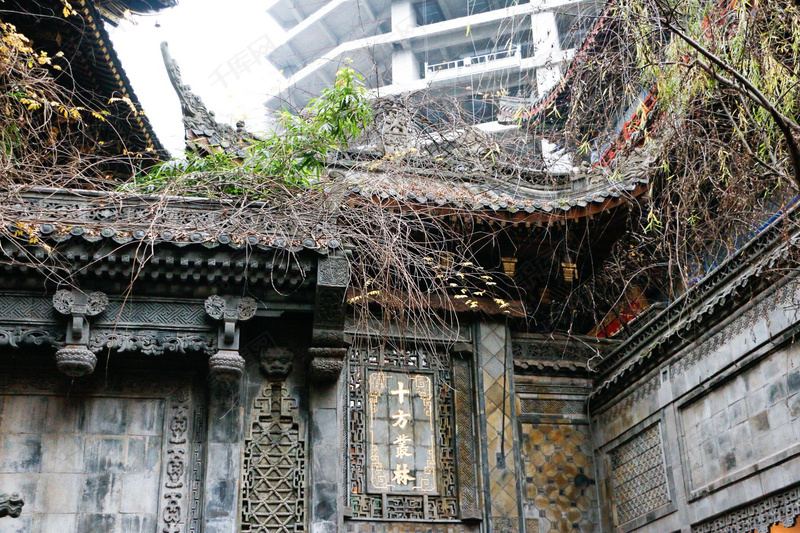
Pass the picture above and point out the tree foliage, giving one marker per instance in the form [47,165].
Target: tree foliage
[724,133]
[297,152]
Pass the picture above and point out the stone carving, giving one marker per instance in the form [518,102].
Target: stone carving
[326,364]
[26,337]
[395,135]
[149,312]
[333,276]
[552,351]
[152,342]
[782,298]
[276,363]
[274,467]
[246,308]
[334,272]
[67,303]
[551,407]
[76,359]
[197,473]
[203,133]
[11,505]
[352,526]
[227,364]
[215,307]
[757,517]
[230,309]
[172,515]
[25,308]
[638,475]
[643,391]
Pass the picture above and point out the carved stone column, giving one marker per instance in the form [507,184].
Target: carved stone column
[327,360]
[227,364]
[75,359]
[328,345]
[11,505]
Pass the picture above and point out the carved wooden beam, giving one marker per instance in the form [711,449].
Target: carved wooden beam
[328,345]
[11,505]
[227,364]
[76,359]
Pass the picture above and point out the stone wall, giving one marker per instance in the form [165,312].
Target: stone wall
[713,429]
[95,456]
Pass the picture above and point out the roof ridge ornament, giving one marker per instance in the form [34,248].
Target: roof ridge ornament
[203,134]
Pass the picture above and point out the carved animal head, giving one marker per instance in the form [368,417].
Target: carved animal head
[276,363]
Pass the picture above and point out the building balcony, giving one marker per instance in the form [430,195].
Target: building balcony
[502,59]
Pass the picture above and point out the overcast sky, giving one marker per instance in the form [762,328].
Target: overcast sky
[220,49]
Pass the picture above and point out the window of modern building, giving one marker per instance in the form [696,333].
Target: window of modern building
[428,12]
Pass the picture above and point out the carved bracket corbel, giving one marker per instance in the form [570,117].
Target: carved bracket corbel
[76,359]
[11,505]
[328,345]
[227,364]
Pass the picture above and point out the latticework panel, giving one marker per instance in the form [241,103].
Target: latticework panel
[467,460]
[273,484]
[550,407]
[638,475]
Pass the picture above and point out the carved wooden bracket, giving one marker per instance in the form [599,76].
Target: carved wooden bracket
[76,359]
[328,345]
[11,505]
[227,364]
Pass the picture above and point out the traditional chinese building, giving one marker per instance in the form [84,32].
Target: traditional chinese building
[188,368]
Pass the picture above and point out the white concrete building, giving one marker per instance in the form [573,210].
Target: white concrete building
[471,49]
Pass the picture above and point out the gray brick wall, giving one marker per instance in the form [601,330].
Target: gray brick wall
[82,465]
[749,418]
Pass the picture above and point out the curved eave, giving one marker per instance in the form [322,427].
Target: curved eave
[521,212]
[116,77]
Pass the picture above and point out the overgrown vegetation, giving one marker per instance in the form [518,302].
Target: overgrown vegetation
[296,153]
[723,75]
[407,269]
[43,127]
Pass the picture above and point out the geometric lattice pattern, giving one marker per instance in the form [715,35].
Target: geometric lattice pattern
[638,475]
[467,457]
[369,505]
[782,508]
[559,476]
[273,485]
[543,406]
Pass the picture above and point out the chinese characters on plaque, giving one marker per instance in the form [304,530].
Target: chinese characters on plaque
[402,446]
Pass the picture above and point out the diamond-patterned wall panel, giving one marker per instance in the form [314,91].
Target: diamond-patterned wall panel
[548,406]
[638,475]
[558,475]
[499,425]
